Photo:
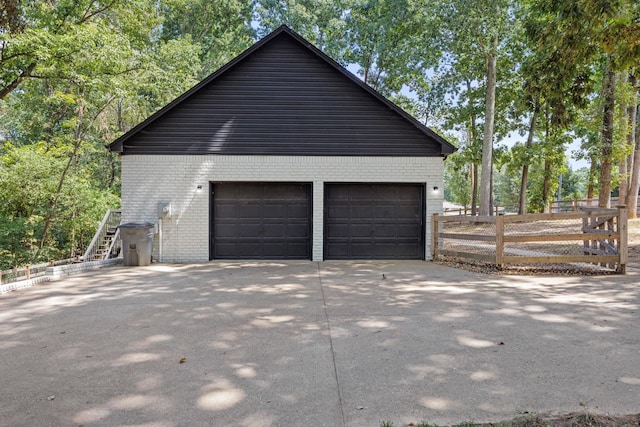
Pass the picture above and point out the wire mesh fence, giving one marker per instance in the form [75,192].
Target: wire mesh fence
[594,239]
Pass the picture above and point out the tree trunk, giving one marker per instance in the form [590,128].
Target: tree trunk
[487,141]
[79,134]
[609,83]
[474,191]
[632,200]
[592,174]
[522,208]
[623,177]
[546,185]
[491,199]
[471,135]
[624,109]
[634,157]
[54,202]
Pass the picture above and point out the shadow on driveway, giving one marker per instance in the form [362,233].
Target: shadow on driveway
[317,344]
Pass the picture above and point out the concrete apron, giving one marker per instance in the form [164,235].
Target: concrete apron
[315,344]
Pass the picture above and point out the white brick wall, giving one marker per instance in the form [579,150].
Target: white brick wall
[149,179]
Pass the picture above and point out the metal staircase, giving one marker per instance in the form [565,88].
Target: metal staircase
[106,242]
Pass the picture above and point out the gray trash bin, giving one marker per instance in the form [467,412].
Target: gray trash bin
[137,243]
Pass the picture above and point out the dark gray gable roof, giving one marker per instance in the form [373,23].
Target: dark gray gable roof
[282,96]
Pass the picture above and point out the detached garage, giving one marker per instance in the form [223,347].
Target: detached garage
[283,154]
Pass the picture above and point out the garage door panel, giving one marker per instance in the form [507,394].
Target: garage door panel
[361,210]
[338,211]
[230,230]
[360,230]
[338,193]
[388,231]
[408,212]
[227,211]
[293,247]
[408,230]
[385,250]
[384,192]
[336,230]
[299,211]
[224,247]
[298,231]
[385,211]
[337,250]
[404,250]
[261,221]
[273,230]
[361,250]
[374,221]
[276,210]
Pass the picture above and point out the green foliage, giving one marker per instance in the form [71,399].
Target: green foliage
[220,29]
[28,180]
[457,188]
[320,21]
[76,74]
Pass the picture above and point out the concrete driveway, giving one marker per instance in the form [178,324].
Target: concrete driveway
[315,344]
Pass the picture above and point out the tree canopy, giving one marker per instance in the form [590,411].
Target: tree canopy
[511,82]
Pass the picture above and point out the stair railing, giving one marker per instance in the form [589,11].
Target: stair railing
[115,246]
[96,250]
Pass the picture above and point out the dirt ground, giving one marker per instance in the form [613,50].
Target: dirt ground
[634,243]
[633,261]
[569,420]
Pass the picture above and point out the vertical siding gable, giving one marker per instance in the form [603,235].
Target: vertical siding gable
[282,99]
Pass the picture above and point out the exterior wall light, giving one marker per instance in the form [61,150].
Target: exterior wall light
[435,188]
[199,188]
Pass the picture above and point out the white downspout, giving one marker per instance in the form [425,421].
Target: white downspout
[160,239]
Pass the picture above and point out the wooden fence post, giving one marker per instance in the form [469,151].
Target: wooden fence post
[623,243]
[500,241]
[434,236]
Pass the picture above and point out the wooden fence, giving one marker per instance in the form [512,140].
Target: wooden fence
[497,210]
[594,236]
[577,204]
[557,206]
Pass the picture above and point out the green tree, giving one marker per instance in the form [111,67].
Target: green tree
[322,22]
[94,69]
[220,29]
[65,39]
[610,44]
[478,33]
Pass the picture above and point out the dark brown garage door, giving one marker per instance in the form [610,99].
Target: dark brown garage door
[260,221]
[374,221]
